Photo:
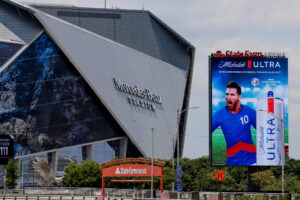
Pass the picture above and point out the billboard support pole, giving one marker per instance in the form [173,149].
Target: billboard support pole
[178,156]
[173,163]
[4,180]
[220,191]
[251,186]
[152,131]
[282,178]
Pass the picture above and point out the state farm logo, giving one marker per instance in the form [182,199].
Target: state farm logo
[218,54]
[230,64]
[247,54]
[120,171]
[237,54]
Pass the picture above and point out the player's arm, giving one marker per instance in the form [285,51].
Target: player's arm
[215,122]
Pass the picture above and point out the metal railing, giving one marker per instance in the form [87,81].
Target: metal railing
[63,193]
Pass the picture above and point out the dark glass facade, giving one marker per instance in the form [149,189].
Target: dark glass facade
[46,103]
[7,50]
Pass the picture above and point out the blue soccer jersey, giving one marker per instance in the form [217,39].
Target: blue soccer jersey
[237,132]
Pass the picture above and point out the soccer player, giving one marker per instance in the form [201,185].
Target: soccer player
[235,120]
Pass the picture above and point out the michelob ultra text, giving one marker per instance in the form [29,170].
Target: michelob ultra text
[270,131]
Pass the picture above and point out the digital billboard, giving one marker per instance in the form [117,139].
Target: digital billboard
[248,108]
[6,148]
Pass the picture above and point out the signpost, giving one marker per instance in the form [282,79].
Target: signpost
[219,176]
[178,176]
[178,180]
[6,149]
[179,189]
[178,168]
[179,183]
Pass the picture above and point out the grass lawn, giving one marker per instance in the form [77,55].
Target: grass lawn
[219,145]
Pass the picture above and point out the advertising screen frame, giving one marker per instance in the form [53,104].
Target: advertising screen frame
[246,59]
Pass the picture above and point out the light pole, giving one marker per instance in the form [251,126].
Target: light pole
[4,180]
[179,112]
[173,145]
[152,150]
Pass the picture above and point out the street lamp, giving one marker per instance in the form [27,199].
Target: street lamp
[179,112]
[152,157]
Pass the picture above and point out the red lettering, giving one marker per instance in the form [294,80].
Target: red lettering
[249,64]
[238,54]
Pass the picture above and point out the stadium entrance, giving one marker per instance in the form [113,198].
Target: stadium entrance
[132,167]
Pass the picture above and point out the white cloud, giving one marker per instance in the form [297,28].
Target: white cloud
[252,100]
[217,93]
[216,101]
[256,89]
[244,89]
[280,91]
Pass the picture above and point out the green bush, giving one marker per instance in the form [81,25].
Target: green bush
[259,198]
[297,197]
[244,197]
[285,197]
[12,173]
[86,174]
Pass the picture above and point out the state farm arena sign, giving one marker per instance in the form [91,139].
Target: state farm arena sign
[131,170]
[247,54]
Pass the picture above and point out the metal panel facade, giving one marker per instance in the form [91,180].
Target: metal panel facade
[17,25]
[100,61]
[139,30]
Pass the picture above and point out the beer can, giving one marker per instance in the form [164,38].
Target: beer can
[270,131]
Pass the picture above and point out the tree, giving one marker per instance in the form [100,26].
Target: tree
[86,174]
[169,178]
[265,180]
[292,184]
[293,167]
[198,175]
[11,173]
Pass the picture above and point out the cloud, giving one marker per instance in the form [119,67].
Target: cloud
[280,91]
[256,89]
[217,93]
[244,89]
[216,101]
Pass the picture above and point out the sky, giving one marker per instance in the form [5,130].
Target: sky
[210,25]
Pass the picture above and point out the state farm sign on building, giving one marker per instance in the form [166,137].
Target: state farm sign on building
[131,170]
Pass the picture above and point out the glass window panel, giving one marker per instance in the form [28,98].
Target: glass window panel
[36,171]
[106,151]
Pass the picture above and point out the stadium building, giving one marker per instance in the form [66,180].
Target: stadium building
[90,83]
